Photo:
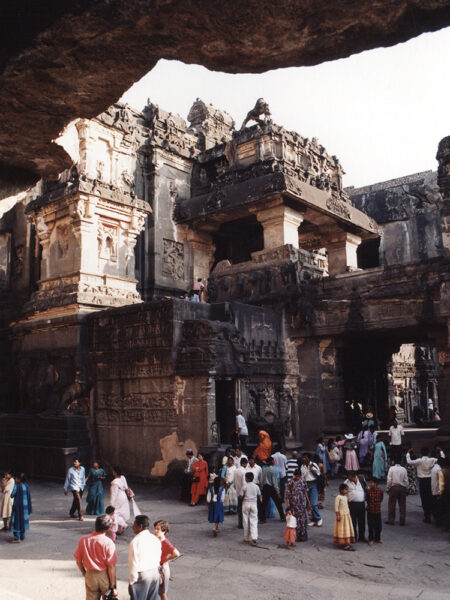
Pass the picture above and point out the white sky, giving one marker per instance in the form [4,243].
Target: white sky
[382,112]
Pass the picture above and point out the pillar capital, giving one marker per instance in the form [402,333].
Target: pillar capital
[341,247]
[280,224]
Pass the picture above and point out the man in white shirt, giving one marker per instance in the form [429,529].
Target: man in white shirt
[144,556]
[252,467]
[395,444]
[241,430]
[187,476]
[239,479]
[310,472]
[397,489]
[238,454]
[436,508]
[250,494]
[424,466]
[280,461]
[430,405]
[356,503]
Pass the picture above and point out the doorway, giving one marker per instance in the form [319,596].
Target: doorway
[226,409]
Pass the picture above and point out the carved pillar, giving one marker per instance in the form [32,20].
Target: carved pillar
[341,248]
[280,225]
[443,157]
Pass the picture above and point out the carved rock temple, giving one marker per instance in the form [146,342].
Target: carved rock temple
[317,296]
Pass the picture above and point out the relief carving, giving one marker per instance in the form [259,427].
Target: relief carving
[62,238]
[173,259]
[338,207]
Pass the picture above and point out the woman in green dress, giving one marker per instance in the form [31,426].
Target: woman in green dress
[380,464]
[94,484]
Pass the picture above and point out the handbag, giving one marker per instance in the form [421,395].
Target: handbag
[129,493]
[334,456]
[110,595]
[196,479]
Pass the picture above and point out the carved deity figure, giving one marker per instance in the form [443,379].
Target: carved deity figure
[261,108]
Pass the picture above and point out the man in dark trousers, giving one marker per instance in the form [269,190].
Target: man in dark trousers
[424,466]
[76,482]
[271,489]
[356,502]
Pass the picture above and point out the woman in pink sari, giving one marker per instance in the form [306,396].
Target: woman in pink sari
[119,499]
[351,458]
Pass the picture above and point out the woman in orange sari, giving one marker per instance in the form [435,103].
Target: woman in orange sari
[264,448]
[199,479]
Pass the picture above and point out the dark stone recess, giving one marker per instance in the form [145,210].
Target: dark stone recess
[63,60]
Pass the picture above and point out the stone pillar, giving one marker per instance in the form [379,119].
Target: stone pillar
[203,249]
[443,349]
[443,157]
[341,249]
[332,386]
[311,416]
[320,389]
[280,225]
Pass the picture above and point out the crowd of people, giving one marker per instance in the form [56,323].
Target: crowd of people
[149,553]
[256,485]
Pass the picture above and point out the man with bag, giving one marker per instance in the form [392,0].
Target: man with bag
[311,476]
[96,558]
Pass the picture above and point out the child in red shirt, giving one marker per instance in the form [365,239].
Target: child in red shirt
[168,553]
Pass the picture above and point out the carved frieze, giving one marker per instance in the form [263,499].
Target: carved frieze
[137,409]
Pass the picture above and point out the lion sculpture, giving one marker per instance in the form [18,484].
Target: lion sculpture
[261,108]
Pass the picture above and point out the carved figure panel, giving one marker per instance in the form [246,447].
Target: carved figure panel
[5,258]
[62,238]
[173,260]
[107,241]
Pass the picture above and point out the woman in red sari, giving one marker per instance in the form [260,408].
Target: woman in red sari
[264,448]
[199,479]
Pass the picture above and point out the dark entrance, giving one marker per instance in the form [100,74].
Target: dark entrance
[236,240]
[225,409]
[365,377]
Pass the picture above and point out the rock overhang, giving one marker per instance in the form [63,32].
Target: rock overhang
[71,60]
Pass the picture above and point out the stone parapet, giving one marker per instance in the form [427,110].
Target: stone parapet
[271,274]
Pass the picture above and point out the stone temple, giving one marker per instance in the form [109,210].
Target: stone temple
[317,296]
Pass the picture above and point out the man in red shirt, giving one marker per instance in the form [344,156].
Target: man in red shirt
[96,558]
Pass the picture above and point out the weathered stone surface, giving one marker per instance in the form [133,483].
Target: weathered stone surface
[73,59]
[292,314]
[408,211]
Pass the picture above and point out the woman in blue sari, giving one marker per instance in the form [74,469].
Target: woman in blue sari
[21,509]
[94,483]
[380,464]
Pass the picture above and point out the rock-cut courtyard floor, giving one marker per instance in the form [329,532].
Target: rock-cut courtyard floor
[413,561]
